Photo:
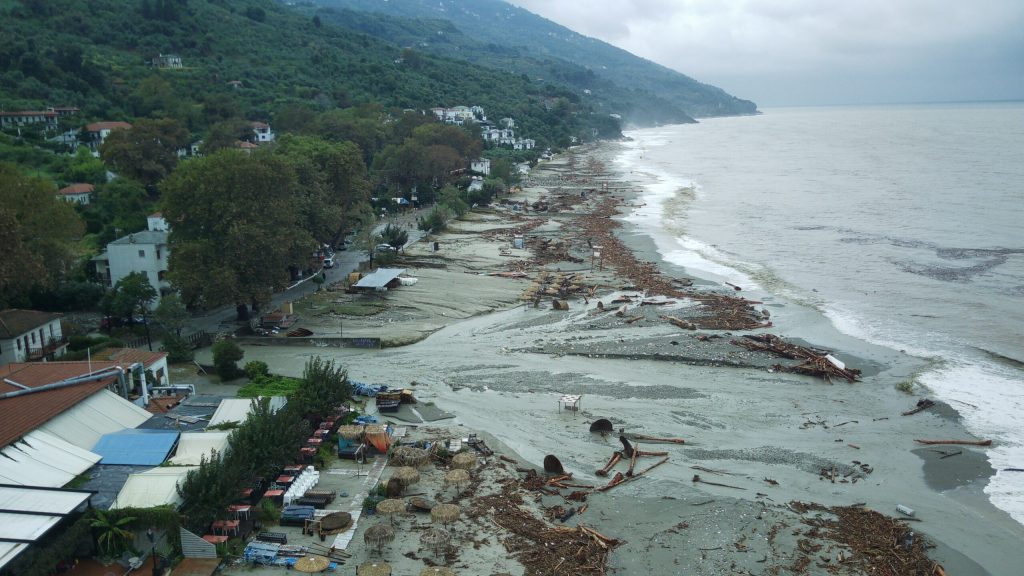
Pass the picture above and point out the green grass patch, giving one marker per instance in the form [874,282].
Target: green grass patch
[269,386]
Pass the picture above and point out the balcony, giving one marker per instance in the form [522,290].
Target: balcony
[47,352]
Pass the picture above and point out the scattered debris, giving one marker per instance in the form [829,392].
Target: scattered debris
[922,404]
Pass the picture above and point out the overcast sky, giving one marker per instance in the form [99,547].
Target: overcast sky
[795,52]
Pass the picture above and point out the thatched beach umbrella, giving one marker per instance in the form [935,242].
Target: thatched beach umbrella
[410,456]
[374,569]
[437,571]
[406,476]
[350,431]
[445,513]
[457,477]
[391,507]
[435,538]
[312,564]
[378,535]
[464,460]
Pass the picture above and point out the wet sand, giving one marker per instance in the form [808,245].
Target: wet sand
[769,435]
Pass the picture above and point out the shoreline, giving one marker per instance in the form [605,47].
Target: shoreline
[512,364]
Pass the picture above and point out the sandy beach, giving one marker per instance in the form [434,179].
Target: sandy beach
[470,341]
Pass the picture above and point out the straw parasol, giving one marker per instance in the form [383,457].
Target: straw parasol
[435,538]
[464,460]
[437,571]
[445,513]
[457,477]
[410,456]
[350,431]
[374,569]
[391,507]
[406,475]
[378,535]
[312,564]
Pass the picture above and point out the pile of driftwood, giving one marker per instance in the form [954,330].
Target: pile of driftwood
[876,543]
[554,285]
[812,362]
[544,549]
[717,312]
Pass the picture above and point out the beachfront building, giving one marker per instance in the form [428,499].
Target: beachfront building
[27,335]
[481,166]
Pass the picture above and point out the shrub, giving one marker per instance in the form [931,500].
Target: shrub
[435,221]
[226,355]
[255,368]
[177,348]
[267,512]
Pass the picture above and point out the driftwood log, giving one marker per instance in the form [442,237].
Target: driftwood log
[957,442]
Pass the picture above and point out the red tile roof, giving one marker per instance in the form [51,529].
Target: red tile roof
[22,414]
[27,113]
[15,322]
[245,145]
[97,126]
[77,189]
[125,357]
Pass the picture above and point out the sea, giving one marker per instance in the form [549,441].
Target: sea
[903,225]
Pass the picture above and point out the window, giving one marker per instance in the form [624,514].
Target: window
[161,275]
[19,344]
[142,253]
[33,337]
[157,253]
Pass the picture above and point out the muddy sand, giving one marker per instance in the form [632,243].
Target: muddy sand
[760,446]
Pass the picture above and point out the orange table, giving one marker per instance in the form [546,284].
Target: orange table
[240,510]
[226,526]
[214,539]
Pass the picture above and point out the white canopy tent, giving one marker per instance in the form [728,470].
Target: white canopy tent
[238,409]
[154,487]
[29,513]
[192,446]
[102,413]
[42,459]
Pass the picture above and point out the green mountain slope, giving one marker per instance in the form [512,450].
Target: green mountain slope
[503,25]
[248,58]
[442,38]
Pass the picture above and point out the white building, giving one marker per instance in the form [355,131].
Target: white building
[263,132]
[76,193]
[144,252]
[172,61]
[97,132]
[481,166]
[30,335]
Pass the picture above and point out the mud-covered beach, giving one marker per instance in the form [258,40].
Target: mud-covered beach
[779,472]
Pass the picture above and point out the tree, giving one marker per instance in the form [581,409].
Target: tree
[171,314]
[148,151]
[324,386]
[235,227]
[131,297]
[394,236]
[121,208]
[178,350]
[37,232]
[112,535]
[225,135]
[85,167]
[226,355]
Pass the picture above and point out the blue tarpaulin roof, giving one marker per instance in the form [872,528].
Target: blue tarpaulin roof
[136,447]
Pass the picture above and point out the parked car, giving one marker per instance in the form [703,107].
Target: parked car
[385,248]
[329,262]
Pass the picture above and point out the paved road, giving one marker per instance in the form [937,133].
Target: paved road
[223,319]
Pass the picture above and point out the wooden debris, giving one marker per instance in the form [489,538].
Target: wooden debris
[620,479]
[922,404]
[812,362]
[957,442]
[698,479]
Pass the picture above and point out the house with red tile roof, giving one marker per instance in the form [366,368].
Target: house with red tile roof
[27,335]
[97,132]
[76,193]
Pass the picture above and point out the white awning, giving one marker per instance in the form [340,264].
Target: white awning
[192,446]
[42,459]
[238,409]
[102,413]
[30,512]
[154,487]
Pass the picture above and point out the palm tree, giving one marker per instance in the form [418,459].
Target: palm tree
[113,536]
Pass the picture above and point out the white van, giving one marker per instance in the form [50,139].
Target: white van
[329,262]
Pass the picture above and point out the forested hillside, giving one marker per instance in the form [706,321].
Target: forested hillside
[497,23]
[250,58]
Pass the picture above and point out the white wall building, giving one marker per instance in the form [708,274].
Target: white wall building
[76,193]
[481,166]
[263,132]
[144,252]
[27,335]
